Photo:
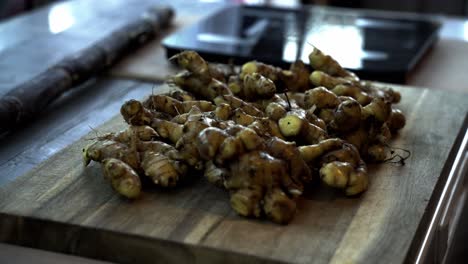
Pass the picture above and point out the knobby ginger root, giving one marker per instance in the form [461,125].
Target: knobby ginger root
[255,187]
[269,71]
[296,78]
[252,86]
[123,178]
[319,61]
[145,133]
[173,107]
[263,134]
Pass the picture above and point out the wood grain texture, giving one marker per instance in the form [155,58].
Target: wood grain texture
[73,116]
[439,68]
[62,206]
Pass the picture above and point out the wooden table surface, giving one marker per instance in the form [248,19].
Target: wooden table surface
[95,102]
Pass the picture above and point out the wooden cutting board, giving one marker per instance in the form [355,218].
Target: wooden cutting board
[65,207]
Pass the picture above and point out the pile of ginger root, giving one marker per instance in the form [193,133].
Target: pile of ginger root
[260,132]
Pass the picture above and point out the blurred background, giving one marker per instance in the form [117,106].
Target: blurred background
[447,7]
[12,7]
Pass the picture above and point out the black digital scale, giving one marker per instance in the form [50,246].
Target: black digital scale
[375,47]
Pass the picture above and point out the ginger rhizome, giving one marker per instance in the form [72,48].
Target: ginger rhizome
[264,134]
